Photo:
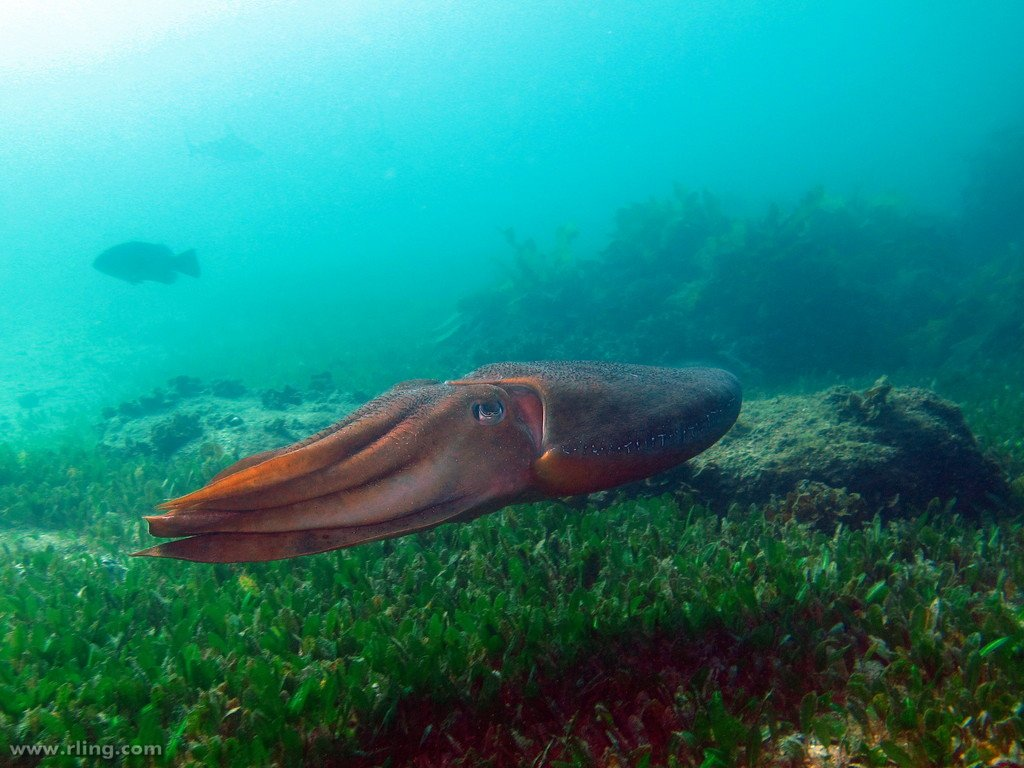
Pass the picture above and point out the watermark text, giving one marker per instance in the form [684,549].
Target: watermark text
[86,749]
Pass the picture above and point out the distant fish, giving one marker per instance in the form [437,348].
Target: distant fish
[137,262]
[229,148]
[29,400]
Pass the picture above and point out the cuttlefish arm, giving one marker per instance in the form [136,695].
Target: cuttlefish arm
[429,452]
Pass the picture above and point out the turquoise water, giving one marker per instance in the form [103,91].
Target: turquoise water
[398,140]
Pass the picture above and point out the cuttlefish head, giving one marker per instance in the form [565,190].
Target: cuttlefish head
[427,452]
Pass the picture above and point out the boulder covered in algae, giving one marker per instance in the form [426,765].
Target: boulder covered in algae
[846,453]
[840,455]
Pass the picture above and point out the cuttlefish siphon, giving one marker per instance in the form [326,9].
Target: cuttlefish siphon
[429,452]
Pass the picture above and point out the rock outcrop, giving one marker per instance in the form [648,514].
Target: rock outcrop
[189,417]
[885,448]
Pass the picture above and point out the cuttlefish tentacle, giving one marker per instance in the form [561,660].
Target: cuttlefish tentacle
[255,547]
[299,464]
[428,452]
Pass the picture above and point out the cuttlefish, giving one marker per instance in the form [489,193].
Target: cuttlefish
[429,452]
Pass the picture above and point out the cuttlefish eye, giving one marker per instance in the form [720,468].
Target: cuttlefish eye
[489,411]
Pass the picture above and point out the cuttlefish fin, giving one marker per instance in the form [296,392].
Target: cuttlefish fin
[249,461]
[251,547]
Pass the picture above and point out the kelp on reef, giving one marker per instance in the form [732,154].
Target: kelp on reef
[832,287]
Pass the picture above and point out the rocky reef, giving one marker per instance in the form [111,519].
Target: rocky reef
[190,417]
[828,289]
[843,453]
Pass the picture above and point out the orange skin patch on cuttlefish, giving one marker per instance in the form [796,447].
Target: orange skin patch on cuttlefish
[428,452]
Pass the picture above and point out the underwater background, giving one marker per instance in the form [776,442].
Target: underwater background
[810,195]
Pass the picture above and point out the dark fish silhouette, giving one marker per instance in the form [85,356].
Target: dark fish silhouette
[228,149]
[137,262]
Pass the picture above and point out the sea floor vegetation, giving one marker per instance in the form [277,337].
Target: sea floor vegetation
[651,632]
